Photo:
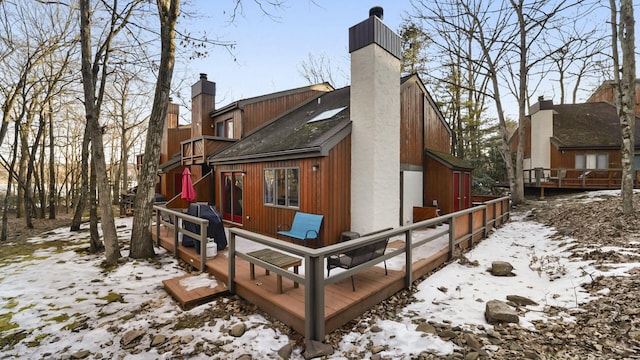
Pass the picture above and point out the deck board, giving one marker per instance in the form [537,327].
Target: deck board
[190,298]
[342,304]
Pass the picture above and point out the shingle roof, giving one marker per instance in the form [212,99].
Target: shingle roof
[588,125]
[291,135]
[449,160]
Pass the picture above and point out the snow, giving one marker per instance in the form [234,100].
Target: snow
[47,294]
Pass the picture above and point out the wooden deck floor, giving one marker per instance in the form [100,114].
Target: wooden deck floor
[341,303]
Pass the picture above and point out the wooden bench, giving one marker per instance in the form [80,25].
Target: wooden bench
[304,227]
[275,258]
[358,256]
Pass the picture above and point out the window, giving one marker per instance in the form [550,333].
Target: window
[281,187]
[224,128]
[592,161]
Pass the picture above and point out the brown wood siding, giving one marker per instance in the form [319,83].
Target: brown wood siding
[171,142]
[200,106]
[235,115]
[256,114]
[567,159]
[411,125]
[326,191]
[436,135]
[438,185]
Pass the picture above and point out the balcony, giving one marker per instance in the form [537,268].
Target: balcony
[566,178]
[196,150]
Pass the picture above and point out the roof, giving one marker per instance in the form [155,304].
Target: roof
[449,160]
[292,136]
[324,87]
[588,126]
[174,162]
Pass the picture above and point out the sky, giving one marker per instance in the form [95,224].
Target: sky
[269,50]
[46,294]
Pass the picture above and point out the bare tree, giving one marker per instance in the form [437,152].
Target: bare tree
[141,241]
[625,81]
[318,68]
[94,72]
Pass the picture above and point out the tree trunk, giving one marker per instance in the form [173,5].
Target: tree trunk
[95,244]
[52,203]
[141,241]
[83,189]
[5,205]
[112,249]
[627,101]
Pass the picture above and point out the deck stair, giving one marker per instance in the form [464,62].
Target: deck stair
[189,296]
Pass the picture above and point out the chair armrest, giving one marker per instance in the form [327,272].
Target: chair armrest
[306,236]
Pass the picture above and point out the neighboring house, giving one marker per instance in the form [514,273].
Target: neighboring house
[362,156]
[573,145]
[212,130]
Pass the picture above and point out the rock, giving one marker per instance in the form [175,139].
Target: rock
[497,311]
[501,268]
[377,349]
[158,340]
[80,354]
[521,300]
[447,334]
[244,357]
[472,342]
[426,328]
[472,356]
[529,354]
[131,336]
[186,339]
[316,349]
[285,352]
[238,330]
[375,329]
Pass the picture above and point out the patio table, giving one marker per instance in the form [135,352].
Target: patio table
[278,259]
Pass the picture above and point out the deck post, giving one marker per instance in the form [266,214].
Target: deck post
[203,245]
[314,298]
[232,263]
[176,231]
[485,232]
[452,236]
[408,246]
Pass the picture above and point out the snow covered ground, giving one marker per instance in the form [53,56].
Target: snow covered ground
[59,301]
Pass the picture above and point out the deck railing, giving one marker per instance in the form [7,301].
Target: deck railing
[168,218]
[575,178]
[464,227]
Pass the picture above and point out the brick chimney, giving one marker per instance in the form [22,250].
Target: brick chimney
[203,100]
[375,114]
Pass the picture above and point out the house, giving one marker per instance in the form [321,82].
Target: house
[214,129]
[574,145]
[363,156]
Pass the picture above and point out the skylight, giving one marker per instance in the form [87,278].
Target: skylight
[327,114]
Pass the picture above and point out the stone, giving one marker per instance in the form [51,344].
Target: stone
[158,340]
[131,336]
[447,334]
[472,342]
[285,352]
[186,339]
[497,311]
[376,329]
[521,300]
[501,268]
[80,354]
[426,328]
[472,356]
[316,349]
[238,330]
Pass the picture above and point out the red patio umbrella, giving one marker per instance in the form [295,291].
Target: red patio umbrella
[188,192]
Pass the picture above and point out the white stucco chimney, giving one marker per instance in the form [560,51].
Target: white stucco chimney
[541,133]
[375,115]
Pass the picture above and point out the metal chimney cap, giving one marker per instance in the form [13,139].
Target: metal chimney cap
[376,11]
[203,76]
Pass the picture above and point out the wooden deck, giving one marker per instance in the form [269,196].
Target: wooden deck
[341,303]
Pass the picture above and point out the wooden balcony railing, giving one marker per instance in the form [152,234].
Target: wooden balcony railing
[568,178]
[196,150]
